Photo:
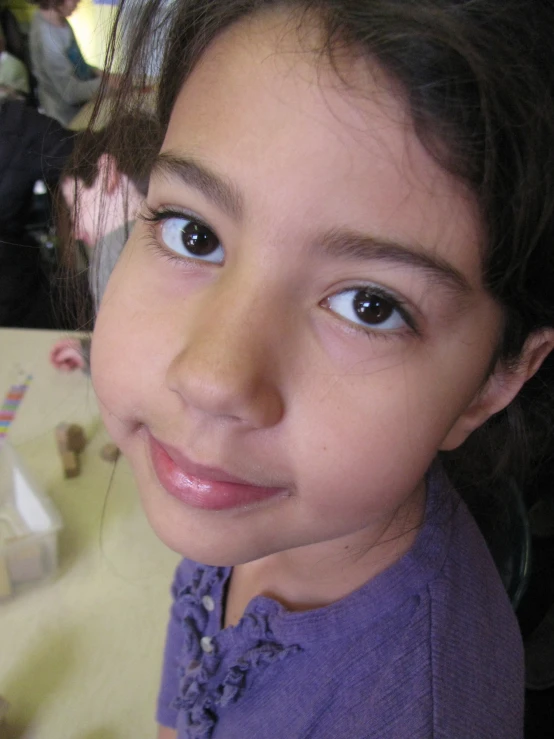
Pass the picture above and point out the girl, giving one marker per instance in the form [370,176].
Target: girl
[343,272]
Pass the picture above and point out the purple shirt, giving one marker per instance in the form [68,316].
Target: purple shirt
[428,648]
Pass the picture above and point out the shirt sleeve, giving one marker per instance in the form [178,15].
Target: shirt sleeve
[166,715]
[13,73]
[61,72]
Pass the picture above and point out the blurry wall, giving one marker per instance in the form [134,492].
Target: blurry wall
[91,23]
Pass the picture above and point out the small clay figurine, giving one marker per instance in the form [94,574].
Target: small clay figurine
[71,441]
[110,452]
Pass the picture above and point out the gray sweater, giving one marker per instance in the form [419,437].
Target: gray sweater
[65,80]
[104,258]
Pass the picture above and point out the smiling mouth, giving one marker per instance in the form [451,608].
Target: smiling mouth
[208,488]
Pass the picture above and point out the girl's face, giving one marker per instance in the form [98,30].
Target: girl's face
[283,349]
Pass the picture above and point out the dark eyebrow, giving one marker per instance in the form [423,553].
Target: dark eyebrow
[347,244]
[213,186]
[339,243]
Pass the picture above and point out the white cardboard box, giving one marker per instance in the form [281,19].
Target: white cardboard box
[29,525]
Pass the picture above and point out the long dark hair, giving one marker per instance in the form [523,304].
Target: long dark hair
[478,76]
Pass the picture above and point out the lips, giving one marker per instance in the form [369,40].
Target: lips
[203,487]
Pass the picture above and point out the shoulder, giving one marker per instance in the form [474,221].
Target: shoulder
[476,649]
[467,592]
[441,656]
[448,661]
[49,36]
[37,26]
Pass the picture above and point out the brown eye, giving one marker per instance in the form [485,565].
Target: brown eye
[198,239]
[191,239]
[371,308]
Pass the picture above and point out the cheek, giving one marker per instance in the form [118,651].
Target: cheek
[122,362]
[120,356]
[134,341]
[354,425]
[381,430]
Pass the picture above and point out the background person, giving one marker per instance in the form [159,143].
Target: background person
[65,81]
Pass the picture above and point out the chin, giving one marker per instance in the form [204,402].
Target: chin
[211,550]
[211,538]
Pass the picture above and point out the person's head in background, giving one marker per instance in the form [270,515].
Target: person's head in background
[101,191]
[466,177]
[105,185]
[56,9]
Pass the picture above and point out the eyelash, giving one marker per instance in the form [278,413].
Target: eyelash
[152,218]
[397,304]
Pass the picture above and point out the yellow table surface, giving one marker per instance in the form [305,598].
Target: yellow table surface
[80,656]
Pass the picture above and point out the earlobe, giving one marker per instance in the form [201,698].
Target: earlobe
[501,388]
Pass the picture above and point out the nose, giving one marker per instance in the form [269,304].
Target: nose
[227,366]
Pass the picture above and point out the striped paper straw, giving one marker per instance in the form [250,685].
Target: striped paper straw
[9,407]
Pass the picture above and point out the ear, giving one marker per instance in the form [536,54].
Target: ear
[501,388]
[110,175]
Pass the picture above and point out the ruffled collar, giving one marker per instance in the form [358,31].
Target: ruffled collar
[221,663]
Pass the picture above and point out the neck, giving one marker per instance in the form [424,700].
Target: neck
[317,575]
[53,16]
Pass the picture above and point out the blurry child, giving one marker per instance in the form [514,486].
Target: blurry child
[65,80]
[343,272]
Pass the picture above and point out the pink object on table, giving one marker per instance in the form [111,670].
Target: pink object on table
[66,355]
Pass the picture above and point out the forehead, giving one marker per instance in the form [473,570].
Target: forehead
[333,142]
